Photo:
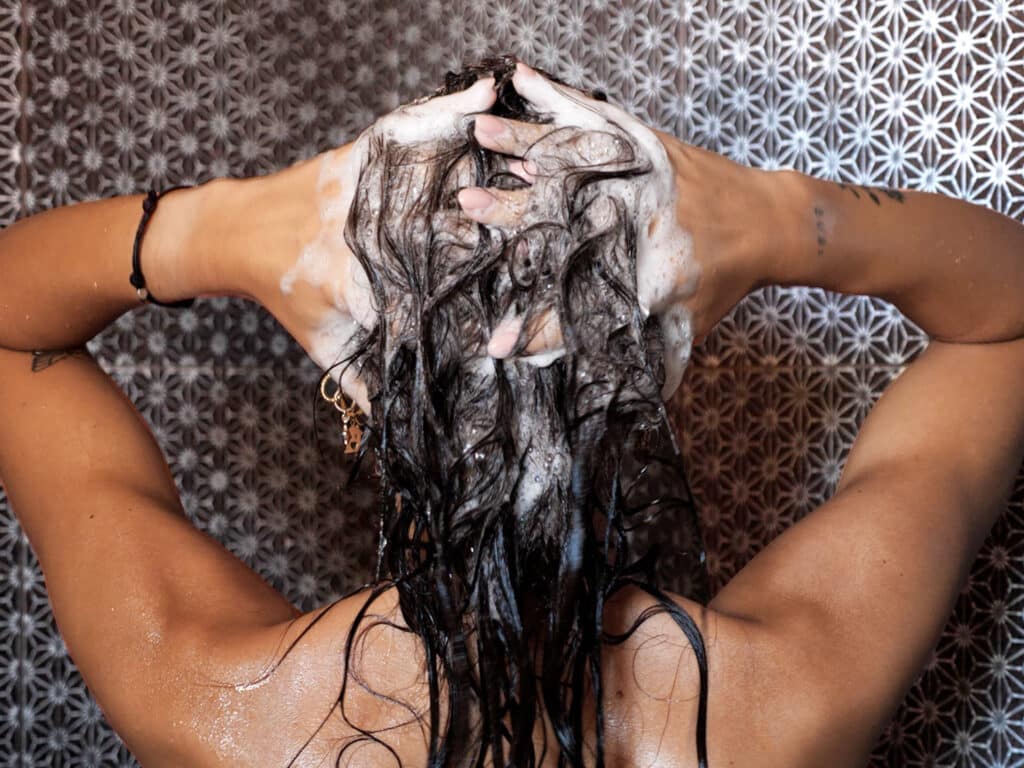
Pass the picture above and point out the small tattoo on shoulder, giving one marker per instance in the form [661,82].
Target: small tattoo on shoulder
[819,226]
[44,358]
[872,192]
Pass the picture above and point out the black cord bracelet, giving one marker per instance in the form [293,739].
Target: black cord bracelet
[136,278]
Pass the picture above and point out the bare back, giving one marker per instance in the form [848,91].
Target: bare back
[799,673]
[650,700]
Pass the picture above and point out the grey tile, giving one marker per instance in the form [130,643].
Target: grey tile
[163,93]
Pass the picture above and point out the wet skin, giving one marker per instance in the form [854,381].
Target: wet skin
[811,646]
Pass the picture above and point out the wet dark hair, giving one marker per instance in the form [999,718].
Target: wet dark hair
[509,490]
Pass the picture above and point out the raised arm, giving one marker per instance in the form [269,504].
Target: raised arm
[842,609]
[136,589]
[129,578]
[277,239]
[953,267]
[65,271]
[855,595]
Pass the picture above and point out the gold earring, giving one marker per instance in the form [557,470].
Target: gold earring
[351,429]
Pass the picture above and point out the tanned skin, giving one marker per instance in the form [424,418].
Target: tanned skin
[811,646]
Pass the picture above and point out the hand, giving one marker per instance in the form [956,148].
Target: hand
[692,209]
[308,277]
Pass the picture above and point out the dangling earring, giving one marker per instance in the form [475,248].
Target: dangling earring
[351,430]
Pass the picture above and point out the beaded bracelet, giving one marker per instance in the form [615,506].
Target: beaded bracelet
[136,278]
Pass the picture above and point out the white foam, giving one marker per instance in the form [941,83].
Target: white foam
[320,262]
[543,461]
[436,118]
[544,359]
[677,333]
[664,248]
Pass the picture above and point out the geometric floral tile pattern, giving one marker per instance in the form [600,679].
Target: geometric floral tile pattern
[103,97]
[12,548]
[925,95]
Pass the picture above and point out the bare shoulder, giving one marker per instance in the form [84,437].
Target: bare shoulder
[271,695]
[759,711]
[292,675]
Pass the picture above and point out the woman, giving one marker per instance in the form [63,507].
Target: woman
[808,649]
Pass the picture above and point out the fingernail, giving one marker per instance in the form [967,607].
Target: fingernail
[504,339]
[525,170]
[490,126]
[475,200]
[486,83]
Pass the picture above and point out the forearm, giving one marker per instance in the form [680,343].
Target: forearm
[954,268]
[65,272]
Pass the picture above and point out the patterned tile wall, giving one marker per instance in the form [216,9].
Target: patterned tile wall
[11,545]
[101,97]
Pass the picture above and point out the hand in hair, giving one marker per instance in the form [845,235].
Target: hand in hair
[310,280]
[692,211]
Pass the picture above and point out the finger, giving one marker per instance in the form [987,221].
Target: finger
[545,343]
[575,148]
[545,335]
[505,336]
[439,117]
[355,388]
[357,294]
[498,207]
[543,359]
[535,88]
[510,137]
[477,98]
[524,169]
[331,342]
[451,228]
[570,106]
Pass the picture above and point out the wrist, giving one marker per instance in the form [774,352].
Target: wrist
[792,242]
[218,259]
[229,237]
[272,219]
[184,253]
[817,220]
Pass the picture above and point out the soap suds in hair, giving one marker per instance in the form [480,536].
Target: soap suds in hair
[664,248]
[326,258]
[508,487]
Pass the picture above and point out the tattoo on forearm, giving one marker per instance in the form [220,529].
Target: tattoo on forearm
[819,226]
[44,358]
[872,192]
